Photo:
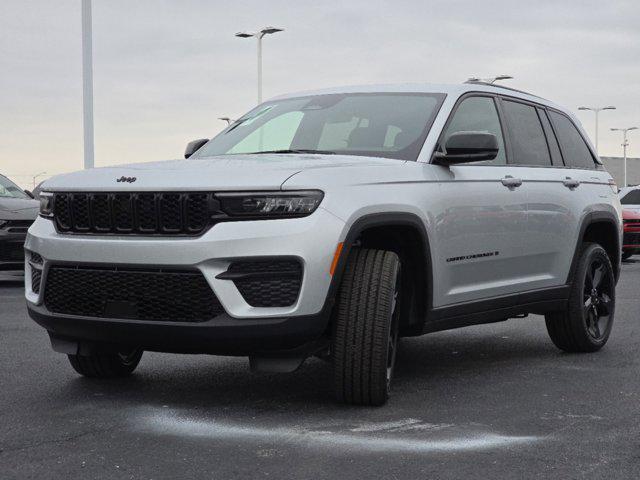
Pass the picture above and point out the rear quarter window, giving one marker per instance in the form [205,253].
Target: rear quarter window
[575,151]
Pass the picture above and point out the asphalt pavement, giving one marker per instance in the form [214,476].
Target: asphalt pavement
[494,401]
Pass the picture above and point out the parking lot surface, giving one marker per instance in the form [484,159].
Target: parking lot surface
[493,401]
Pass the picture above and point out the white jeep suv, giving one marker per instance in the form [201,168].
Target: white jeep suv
[331,223]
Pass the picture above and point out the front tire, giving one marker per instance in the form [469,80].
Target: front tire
[366,327]
[106,364]
[586,323]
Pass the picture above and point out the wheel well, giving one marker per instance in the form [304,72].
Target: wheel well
[605,234]
[409,244]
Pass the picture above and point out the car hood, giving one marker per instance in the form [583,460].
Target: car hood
[18,208]
[228,172]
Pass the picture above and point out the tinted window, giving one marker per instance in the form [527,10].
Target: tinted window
[478,114]
[574,149]
[556,156]
[392,125]
[631,198]
[528,141]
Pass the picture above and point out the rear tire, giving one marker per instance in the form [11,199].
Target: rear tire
[106,364]
[586,323]
[366,327]
[628,254]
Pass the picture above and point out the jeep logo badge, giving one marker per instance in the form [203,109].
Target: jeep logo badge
[126,179]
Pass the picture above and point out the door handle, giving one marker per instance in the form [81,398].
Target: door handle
[570,183]
[511,182]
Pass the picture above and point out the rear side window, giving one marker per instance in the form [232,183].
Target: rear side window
[528,142]
[575,151]
[631,198]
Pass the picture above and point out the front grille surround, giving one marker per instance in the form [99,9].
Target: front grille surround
[135,213]
[163,295]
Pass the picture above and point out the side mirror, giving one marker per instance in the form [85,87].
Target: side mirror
[28,192]
[466,147]
[193,146]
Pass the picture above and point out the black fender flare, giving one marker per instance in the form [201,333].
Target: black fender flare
[588,220]
[390,219]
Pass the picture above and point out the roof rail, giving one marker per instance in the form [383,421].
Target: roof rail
[473,81]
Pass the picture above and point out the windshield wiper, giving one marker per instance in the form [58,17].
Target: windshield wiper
[296,150]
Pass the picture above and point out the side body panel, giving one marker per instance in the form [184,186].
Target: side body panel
[556,214]
[480,227]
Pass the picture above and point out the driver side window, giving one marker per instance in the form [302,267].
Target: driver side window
[478,114]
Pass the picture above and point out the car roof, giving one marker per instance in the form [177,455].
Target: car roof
[455,90]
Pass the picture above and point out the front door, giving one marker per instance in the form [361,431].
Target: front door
[480,219]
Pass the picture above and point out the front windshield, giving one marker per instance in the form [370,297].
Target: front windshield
[392,125]
[8,189]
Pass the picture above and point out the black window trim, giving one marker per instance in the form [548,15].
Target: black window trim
[543,111]
[596,162]
[498,98]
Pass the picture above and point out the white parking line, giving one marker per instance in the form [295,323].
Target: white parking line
[380,440]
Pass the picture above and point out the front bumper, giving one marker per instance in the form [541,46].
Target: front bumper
[222,335]
[243,329]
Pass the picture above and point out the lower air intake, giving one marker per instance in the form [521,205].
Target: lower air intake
[267,283]
[160,295]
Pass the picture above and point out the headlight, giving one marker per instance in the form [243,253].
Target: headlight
[46,204]
[270,204]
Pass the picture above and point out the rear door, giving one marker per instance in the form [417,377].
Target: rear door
[551,205]
[558,191]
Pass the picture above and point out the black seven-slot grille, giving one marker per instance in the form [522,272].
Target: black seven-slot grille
[141,213]
[266,283]
[162,295]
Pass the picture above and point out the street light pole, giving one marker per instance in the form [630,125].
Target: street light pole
[259,35]
[597,111]
[36,176]
[87,84]
[625,144]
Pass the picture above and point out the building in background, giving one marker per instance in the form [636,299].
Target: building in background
[615,167]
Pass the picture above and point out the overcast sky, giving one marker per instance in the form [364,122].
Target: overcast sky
[165,70]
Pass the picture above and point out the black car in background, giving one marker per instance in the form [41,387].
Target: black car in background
[18,210]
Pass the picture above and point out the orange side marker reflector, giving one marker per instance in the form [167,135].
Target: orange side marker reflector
[336,257]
